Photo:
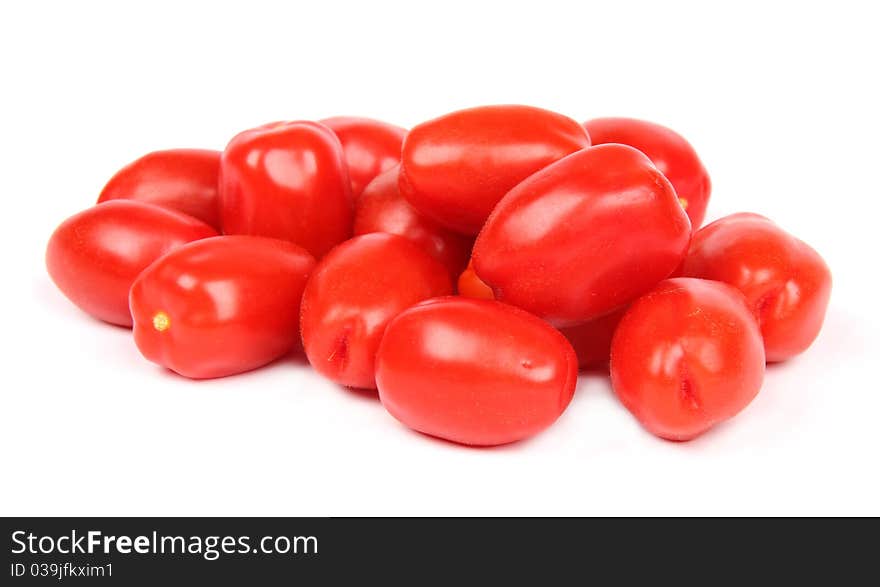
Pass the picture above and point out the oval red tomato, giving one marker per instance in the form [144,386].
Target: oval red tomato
[352,295]
[184,180]
[786,282]
[287,180]
[687,356]
[475,372]
[220,306]
[670,152]
[455,168]
[370,147]
[381,208]
[94,256]
[583,236]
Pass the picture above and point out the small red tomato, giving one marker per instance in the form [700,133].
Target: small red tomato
[591,340]
[180,179]
[94,256]
[220,306]
[476,372]
[352,295]
[583,236]
[455,168]
[370,147]
[670,152]
[687,356]
[287,180]
[381,208]
[786,283]
[471,286]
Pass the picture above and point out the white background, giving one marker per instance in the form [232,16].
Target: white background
[779,99]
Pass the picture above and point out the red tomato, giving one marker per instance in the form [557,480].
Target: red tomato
[670,152]
[352,295]
[370,147]
[591,340]
[687,356]
[180,179]
[786,283]
[94,256]
[455,168]
[287,180]
[583,236]
[381,208]
[220,306]
[477,372]
[471,286]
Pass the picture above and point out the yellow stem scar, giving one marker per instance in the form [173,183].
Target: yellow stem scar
[683,202]
[161,321]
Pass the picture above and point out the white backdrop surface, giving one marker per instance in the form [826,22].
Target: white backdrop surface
[780,99]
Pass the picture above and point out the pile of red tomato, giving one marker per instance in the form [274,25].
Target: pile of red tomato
[466,269]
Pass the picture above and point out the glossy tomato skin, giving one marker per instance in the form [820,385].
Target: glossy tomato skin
[455,168]
[591,340]
[220,306]
[352,295]
[670,152]
[370,147]
[184,180]
[287,180]
[583,236]
[94,256]
[381,208]
[687,356]
[476,372]
[786,283]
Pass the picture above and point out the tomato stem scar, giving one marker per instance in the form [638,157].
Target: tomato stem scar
[161,321]
[683,202]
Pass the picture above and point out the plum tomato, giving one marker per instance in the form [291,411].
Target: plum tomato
[686,356]
[94,256]
[476,372]
[370,147]
[180,179]
[455,168]
[583,236]
[670,152]
[220,306]
[287,180]
[786,283]
[381,208]
[352,295]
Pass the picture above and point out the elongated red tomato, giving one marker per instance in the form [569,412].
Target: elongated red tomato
[370,147]
[352,295]
[184,180]
[591,340]
[687,356]
[94,256]
[455,168]
[786,282]
[583,236]
[220,306]
[381,208]
[476,372]
[287,180]
[670,152]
